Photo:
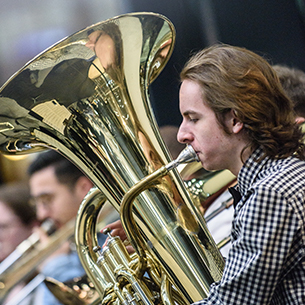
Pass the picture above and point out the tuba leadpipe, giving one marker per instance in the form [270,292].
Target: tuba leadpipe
[87,97]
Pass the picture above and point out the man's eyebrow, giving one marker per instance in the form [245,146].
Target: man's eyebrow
[41,195]
[188,112]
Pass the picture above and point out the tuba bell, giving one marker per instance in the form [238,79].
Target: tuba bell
[87,97]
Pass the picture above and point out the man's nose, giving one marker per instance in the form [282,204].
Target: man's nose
[42,212]
[183,135]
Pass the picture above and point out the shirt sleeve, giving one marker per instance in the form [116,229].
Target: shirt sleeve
[62,268]
[262,234]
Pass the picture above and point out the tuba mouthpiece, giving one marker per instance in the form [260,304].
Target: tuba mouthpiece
[187,155]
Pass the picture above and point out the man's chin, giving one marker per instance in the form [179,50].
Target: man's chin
[209,167]
[205,165]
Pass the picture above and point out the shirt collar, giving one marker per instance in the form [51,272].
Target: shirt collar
[250,170]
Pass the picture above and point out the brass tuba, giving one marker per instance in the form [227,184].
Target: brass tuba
[87,97]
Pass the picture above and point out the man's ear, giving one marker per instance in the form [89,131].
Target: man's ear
[233,122]
[83,186]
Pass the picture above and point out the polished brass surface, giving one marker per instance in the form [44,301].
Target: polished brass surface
[113,264]
[184,218]
[204,186]
[87,97]
[78,291]
[209,184]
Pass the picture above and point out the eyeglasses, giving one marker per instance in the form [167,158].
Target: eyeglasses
[45,200]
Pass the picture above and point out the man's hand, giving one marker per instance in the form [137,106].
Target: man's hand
[117,230]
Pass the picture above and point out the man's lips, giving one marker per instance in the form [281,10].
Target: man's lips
[199,154]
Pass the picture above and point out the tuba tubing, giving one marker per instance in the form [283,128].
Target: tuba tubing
[91,255]
[91,104]
[126,211]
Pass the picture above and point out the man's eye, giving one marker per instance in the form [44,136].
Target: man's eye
[45,200]
[194,120]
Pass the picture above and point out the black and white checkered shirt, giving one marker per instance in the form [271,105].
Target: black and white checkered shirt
[266,264]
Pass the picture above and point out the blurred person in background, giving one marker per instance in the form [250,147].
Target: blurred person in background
[17,217]
[17,220]
[293,82]
[57,189]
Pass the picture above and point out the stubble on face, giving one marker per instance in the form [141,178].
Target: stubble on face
[216,148]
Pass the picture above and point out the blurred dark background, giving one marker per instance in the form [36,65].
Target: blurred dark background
[273,28]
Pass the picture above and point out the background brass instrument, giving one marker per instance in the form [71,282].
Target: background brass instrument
[206,189]
[78,291]
[91,104]
[26,246]
[25,266]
